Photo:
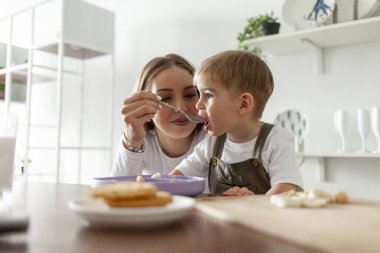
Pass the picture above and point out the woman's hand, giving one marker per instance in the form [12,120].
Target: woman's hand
[138,109]
[237,191]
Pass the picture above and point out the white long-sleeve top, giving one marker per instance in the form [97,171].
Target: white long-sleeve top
[152,160]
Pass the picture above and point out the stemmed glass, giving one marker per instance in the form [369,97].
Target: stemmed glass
[375,126]
[340,125]
[363,128]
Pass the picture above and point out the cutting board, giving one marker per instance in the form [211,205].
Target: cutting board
[353,227]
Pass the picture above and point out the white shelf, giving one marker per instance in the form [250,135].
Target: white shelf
[40,73]
[19,55]
[320,38]
[341,34]
[88,31]
[340,155]
[71,50]
[321,159]
[20,72]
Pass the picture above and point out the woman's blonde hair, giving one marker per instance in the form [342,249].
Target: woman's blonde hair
[156,66]
[242,71]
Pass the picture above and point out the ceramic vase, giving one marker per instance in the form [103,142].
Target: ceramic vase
[363,118]
[340,125]
[375,127]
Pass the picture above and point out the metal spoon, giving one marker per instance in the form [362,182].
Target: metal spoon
[195,119]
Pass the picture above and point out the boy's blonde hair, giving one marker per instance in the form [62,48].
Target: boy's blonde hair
[242,71]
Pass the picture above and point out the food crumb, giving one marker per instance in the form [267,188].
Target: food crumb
[139,179]
[158,174]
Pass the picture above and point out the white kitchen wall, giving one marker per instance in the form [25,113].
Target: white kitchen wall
[200,28]
[351,80]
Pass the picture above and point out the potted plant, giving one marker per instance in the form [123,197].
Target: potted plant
[21,164]
[2,90]
[257,26]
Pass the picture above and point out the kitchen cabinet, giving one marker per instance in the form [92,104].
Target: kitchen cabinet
[59,33]
[320,38]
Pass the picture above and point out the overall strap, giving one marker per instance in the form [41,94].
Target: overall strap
[219,144]
[264,132]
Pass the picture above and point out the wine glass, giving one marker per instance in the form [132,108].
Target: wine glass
[363,128]
[340,125]
[375,126]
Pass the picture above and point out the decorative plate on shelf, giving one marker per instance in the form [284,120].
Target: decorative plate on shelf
[99,214]
[295,122]
[177,185]
[367,8]
[346,9]
[303,14]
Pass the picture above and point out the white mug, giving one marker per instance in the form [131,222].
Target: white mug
[8,130]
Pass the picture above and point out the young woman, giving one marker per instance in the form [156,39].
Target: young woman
[155,138]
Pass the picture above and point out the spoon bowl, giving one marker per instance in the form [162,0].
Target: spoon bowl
[196,119]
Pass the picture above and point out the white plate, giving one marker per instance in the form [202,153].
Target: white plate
[295,13]
[367,8]
[98,213]
[345,12]
[294,121]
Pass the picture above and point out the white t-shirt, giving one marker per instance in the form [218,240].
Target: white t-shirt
[152,160]
[278,157]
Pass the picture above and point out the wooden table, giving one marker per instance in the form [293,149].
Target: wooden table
[348,228]
[54,228]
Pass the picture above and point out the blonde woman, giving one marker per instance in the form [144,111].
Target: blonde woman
[156,139]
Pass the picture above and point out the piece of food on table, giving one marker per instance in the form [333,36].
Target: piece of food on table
[161,198]
[314,198]
[156,175]
[140,179]
[131,194]
[340,197]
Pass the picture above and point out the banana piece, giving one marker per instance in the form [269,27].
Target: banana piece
[285,201]
[313,199]
[340,197]
[314,203]
[157,175]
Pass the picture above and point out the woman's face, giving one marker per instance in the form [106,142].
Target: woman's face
[175,86]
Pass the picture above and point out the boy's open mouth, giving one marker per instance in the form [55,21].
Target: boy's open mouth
[206,125]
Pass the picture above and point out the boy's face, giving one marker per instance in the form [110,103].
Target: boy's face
[219,106]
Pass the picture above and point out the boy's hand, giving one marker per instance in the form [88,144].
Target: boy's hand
[237,191]
[176,172]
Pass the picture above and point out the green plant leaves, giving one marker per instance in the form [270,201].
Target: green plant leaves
[254,29]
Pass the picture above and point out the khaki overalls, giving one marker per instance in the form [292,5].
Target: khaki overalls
[249,173]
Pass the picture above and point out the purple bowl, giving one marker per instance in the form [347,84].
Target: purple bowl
[177,185]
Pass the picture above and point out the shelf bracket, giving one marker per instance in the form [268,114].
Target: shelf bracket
[321,169]
[318,52]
